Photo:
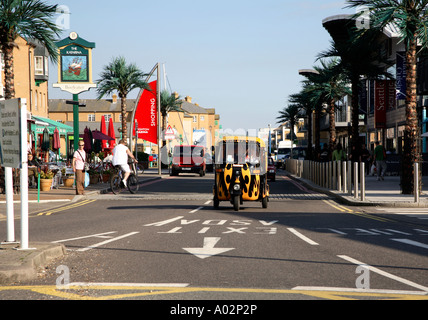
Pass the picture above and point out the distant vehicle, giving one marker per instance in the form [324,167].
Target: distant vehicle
[188,159]
[284,149]
[297,153]
[209,160]
[271,174]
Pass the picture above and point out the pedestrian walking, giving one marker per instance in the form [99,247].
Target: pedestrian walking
[365,157]
[79,158]
[338,153]
[380,159]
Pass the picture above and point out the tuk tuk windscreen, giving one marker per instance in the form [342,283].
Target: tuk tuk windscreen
[238,152]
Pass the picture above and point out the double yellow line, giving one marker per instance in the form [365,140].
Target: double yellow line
[71,206]
[356,213]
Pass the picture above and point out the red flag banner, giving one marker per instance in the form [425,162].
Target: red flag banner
[385,99]
[146,115]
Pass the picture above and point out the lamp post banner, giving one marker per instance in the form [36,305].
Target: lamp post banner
[146,115]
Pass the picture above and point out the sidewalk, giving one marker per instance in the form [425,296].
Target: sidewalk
[378,193]
[21,265]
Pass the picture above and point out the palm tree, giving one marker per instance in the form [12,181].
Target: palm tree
[168,103]
[123,78]
[32,20]
[290,114]
[328,85]
[359,56]
[410,18]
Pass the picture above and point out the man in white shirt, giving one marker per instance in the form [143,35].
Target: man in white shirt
[120,158]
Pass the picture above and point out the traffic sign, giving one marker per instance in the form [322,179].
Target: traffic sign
[169,133]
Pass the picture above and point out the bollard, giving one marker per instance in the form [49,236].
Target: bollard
[355,180]
[344,173]
[334,186]
[362,181]
[349,177]
[416,181]
[339,176]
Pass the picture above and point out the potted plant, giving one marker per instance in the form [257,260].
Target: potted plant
[94,176]
[106,175]
[46,178]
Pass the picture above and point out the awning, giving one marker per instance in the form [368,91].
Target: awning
[42,123]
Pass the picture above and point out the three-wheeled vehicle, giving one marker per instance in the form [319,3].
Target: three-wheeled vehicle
[240,171]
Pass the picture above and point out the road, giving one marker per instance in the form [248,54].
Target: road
[169,243]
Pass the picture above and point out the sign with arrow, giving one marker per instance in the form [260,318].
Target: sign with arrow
[208,249]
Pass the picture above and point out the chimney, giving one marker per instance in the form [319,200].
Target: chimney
[114,98]
[188,99]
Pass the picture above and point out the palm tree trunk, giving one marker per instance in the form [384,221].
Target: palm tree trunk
[411,152]
[332,127]
[9,89]
[163,128]
[123,111]
[317,133]
[310,151]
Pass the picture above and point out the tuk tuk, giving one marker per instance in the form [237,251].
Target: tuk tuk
[240,171]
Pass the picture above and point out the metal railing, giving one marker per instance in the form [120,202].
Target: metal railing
[339,175]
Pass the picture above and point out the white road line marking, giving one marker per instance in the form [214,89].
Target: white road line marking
[412,243]
[401,232]
[385,274]
[98,235]
[107,241]
[197,209]
[162,223]
[301,236]
[208,202]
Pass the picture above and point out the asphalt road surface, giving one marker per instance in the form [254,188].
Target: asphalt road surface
[169,243]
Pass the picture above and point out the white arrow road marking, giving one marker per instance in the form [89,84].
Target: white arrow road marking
[208,249]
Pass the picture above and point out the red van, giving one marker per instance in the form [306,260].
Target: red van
[189,159]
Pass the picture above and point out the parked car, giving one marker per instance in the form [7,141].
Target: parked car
[271,169]
[188,159]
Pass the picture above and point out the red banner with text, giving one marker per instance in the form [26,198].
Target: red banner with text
[385,99]
[146,115]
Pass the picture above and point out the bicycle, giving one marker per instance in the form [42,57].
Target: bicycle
[116,180]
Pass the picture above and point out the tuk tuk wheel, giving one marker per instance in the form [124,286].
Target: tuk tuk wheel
[265,202]
[236,203]
[216,202]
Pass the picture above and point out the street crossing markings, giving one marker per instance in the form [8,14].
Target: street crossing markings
[412,243]
[68,207]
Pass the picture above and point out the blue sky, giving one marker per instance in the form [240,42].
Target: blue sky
[240,57]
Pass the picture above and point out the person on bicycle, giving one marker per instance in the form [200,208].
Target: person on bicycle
[120,158]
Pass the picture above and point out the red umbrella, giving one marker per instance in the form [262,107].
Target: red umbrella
[103,129]
[56,140]
[98,135]
[111,133]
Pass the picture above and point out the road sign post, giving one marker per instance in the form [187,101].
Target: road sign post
[13,154]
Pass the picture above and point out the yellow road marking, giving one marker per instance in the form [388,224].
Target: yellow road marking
[356,213]
[76,292]
[71,206]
